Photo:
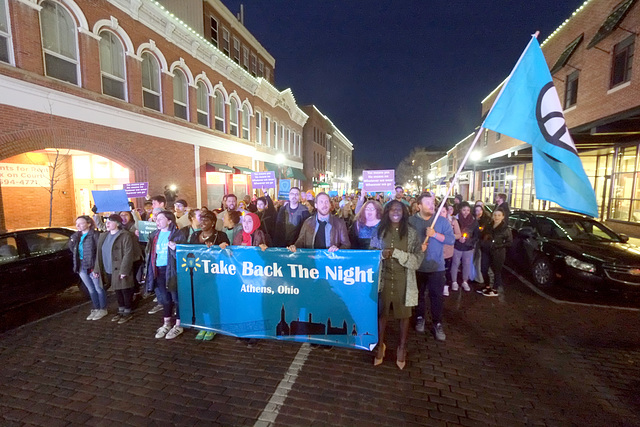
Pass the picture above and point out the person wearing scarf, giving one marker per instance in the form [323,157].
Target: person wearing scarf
[251,234]
[464,246]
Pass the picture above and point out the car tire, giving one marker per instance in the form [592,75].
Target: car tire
[542,272]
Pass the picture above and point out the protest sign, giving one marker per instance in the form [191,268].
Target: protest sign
[144,229]
[283,189]
[263,179]
[110,200]
[136,189]
[306,296]
[378,180]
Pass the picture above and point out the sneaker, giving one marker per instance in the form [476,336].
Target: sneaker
[125,318]
[162,331]
[155,299]
[209,336]
[454,286]
[488,292]
[116,317]
[420,324]
[201,335]
[100,314]
[466,287]
[174,332]
[252,342]
[92,314]
[156,308]
[446,291]
[438,332]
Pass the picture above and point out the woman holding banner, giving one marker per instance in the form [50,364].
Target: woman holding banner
[398,290]
[208,235]
[365,224]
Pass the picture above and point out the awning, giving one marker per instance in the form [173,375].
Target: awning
[245,171]
[296,173]
[272,167]
[217,167]
[322,184]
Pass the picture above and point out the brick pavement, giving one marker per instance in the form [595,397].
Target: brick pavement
[523,361]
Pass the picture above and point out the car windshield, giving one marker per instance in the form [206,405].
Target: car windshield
[567,228]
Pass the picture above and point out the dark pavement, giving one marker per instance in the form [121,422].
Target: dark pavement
[521,360]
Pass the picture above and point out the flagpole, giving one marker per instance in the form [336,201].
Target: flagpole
[475,140]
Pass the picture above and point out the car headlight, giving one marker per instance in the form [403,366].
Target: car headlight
[580,265]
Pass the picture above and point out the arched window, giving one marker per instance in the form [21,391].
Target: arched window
[59,42]
[112,65]
[233,120]
[5,33]
[150,81]
[203,104]
[219,110]
[245,122]
[180,94]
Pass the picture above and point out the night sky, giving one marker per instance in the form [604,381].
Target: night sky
[398,74]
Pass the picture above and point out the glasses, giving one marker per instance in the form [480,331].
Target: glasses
[370,209]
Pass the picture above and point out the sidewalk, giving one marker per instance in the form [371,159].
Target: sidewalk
[524,361]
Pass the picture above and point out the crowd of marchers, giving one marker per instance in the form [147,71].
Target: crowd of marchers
[424,256]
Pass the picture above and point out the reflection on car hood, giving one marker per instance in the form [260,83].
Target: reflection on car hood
[607,252]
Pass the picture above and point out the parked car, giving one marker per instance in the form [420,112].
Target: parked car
[34,263]
[574,250]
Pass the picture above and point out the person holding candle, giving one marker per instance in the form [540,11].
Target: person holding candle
[464,246]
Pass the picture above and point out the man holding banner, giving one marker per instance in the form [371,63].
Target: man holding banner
[323,230]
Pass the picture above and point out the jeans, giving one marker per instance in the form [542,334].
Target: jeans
[495,260]
[165,297]
[434,282]
[125,296]
[96,292]
[467,259]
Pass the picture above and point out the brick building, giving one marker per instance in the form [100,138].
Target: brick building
[125,91]
[592,61]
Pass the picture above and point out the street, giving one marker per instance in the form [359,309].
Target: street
[521,359]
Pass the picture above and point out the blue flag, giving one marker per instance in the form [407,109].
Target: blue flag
[528,109]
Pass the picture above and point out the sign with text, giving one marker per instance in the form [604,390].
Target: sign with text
[306,296]
[144,229]
[19,175]
[263,179]
[110,200]
[378,180]
[283,189]
[136,189]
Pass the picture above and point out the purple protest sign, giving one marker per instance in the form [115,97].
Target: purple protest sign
[263,179]
[136,189]
[378,180]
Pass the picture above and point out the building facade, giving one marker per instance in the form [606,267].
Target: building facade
[595,71]
[121,91]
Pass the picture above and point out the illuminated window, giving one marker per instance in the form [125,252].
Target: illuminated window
[233,118]
[203,103]
[180,94]
[112,65]
[59,42]
[218,102]
[81,167]
[150,81]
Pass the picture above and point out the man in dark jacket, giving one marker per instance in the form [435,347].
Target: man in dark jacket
[290,219]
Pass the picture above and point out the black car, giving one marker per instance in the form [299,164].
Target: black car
[34,263]
[581,251]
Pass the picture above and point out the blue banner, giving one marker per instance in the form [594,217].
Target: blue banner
[307,296]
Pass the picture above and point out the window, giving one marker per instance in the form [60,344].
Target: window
[245,122]
[485,137]
[245,58]
[282,140]
[203,104]
[225,41]
[5,34]
[267,132]
[258,130]
[289,141]
[267,73]
[498,136]
[218,102]
[59,42]
[275,135]
[112,65]
[571,89]
[150,81]
[233,119]
[236,50]
[252,65]
[214,31]
[260,68]
[180,94]
[8,250]
[622,60]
